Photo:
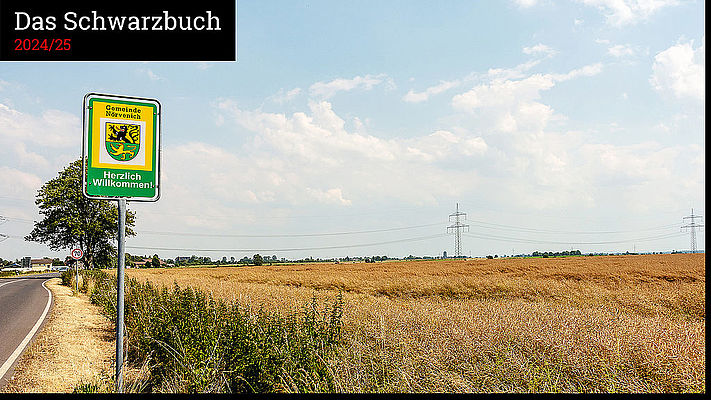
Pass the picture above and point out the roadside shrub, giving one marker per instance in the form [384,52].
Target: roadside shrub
[194,343]
[84,279]
[67,277]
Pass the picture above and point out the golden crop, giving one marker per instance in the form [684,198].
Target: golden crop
[633,323]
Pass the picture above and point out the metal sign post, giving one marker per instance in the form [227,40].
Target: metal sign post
[119,293]
[121,154]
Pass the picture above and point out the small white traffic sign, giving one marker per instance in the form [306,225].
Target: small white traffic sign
[77,254]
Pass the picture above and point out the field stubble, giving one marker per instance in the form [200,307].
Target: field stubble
[576,324]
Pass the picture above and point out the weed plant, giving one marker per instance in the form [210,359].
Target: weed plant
[191,342]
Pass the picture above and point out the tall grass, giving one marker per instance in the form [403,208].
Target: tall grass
[189,342]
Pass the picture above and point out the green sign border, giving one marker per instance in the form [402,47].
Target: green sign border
[116,183]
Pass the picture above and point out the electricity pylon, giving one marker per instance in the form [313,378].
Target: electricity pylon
[691,226]
[457,228]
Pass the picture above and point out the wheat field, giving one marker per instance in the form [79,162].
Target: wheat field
[633,323]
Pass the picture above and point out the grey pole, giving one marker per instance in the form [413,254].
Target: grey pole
[119,293]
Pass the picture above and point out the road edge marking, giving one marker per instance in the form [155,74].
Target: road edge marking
[11,281]
[18,351]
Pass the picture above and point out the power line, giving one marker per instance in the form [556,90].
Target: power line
[281,217]
[490,225]
[458,227]
[4,236]
[17,198]
[285,235]
[288,249]
[524,240]
[15,219]
[482,224]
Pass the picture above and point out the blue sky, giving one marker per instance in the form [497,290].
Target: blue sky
[555,125]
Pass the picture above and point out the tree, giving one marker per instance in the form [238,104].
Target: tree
[156,261]
[128,260]
[257,259]
[71,220]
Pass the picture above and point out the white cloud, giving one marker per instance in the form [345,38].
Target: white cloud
[330,196]
[503,92]
[585,71]
[541,49]
[535,163]
[516,72]
[312,156]
[621,50]
[418,97]
[16,183]
[326,90]
[526,3]
[53,128]
[203,66]
[680,70]
[519,71]
[638,163]
[30,158]
[513,105]
[442,144]
[628,12]
[306,136]
[149,74]
[282,97]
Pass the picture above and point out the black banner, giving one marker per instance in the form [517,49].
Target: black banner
[118,30]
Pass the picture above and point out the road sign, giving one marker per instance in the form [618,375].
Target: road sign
[77,254]
[121,151]
[121,147]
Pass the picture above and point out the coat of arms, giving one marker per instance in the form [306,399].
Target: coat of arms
[123,140]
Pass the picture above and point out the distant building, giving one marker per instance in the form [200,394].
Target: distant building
[41,264]
[144,262]
[12,267]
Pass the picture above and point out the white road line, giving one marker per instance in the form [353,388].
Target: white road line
[14,280]
[5,367]
[10,280]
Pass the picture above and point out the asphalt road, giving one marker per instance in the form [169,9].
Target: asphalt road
[24,306]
